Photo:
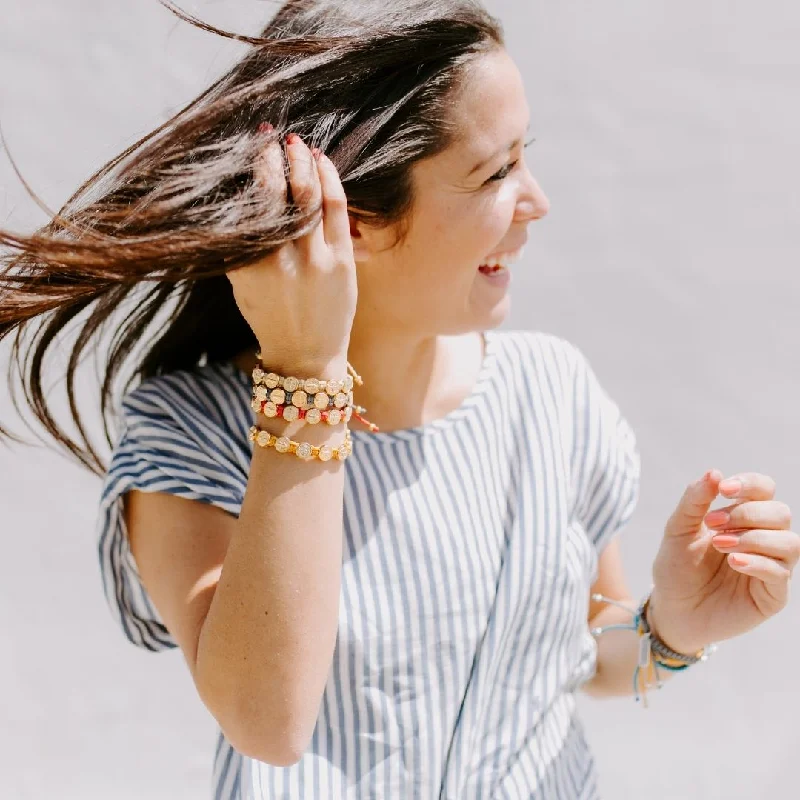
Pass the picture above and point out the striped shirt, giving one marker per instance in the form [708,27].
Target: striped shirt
[470,545]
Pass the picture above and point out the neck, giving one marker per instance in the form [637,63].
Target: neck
[407,381]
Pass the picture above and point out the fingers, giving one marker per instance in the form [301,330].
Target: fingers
[748,486]
[770,514]
[694,505]
[269,172]
[306,190]
[760,567]
[336,222]
[782,546]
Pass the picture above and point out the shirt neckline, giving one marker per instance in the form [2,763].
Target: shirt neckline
[427,429]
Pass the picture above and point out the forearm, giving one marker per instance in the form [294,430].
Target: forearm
[267,643]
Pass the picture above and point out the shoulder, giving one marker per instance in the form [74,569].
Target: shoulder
[211,399]
[537,355]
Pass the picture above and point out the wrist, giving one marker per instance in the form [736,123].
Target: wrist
[304,365]
[664,628]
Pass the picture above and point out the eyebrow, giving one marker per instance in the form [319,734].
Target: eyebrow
[516,143]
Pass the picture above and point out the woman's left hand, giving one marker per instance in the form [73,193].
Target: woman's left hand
[720,574]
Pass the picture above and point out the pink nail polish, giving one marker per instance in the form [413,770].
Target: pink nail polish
[725,541]
[739,561]
[716,519]
[731,486]
[265,127]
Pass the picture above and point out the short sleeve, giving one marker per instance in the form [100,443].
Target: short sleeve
[177,439]
[605,462]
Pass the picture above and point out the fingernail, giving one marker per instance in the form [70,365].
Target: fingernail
[717,518]
[726,541]
[739,561]
[293,138]
[316,152]
[265,127]
[731,486]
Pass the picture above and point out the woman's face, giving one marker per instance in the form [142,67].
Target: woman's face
[473,202]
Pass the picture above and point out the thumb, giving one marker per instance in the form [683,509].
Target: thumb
[693,506]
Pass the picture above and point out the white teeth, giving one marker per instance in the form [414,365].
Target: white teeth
[504,260]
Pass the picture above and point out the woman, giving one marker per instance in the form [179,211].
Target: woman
[411,620]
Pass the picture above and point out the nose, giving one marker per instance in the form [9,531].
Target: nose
[532,203]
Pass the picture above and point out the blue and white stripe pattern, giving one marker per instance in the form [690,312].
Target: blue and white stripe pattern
[470,545]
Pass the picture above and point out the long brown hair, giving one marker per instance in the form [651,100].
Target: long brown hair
[150,236]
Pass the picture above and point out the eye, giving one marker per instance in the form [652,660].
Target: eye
[505,171]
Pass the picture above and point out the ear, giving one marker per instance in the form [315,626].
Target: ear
[361,249]
[370,240]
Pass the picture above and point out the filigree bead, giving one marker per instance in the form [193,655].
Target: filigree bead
[334,387]
[340,401]
[321,400]
[313,416]
[334,416]
[291,384]
[258,375]
[325,453]
[291,414]
[256,405]
[348,414]
[272,380]
[283,444]
[263,438]
[270,409]
[299,398]
[305,451]
[261,392]
[311,385]
[347,383]
[278,396]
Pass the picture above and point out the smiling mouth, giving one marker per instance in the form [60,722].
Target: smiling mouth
[500,262]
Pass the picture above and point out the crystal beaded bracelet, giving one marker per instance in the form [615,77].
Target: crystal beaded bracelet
[303,450]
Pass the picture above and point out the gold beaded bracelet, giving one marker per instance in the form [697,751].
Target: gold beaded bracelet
[272,380]
[311,399]
[303,450]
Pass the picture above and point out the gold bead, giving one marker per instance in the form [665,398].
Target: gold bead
[311,385]
[304,451]
[321,401]
[334,387]
[291,384]
[334,416]
[291,414]
[263,438]
[283,445]
[325,453]
[272,380]
[258,375]
[261,392]
[278,396]
[314,416]
[299,398]
[270,409]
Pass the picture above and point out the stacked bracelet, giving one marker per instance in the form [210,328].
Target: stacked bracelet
[654,654]
[309,400]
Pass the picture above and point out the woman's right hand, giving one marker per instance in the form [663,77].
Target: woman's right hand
[300,300]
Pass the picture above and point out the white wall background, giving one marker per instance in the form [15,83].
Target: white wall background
[667,139]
